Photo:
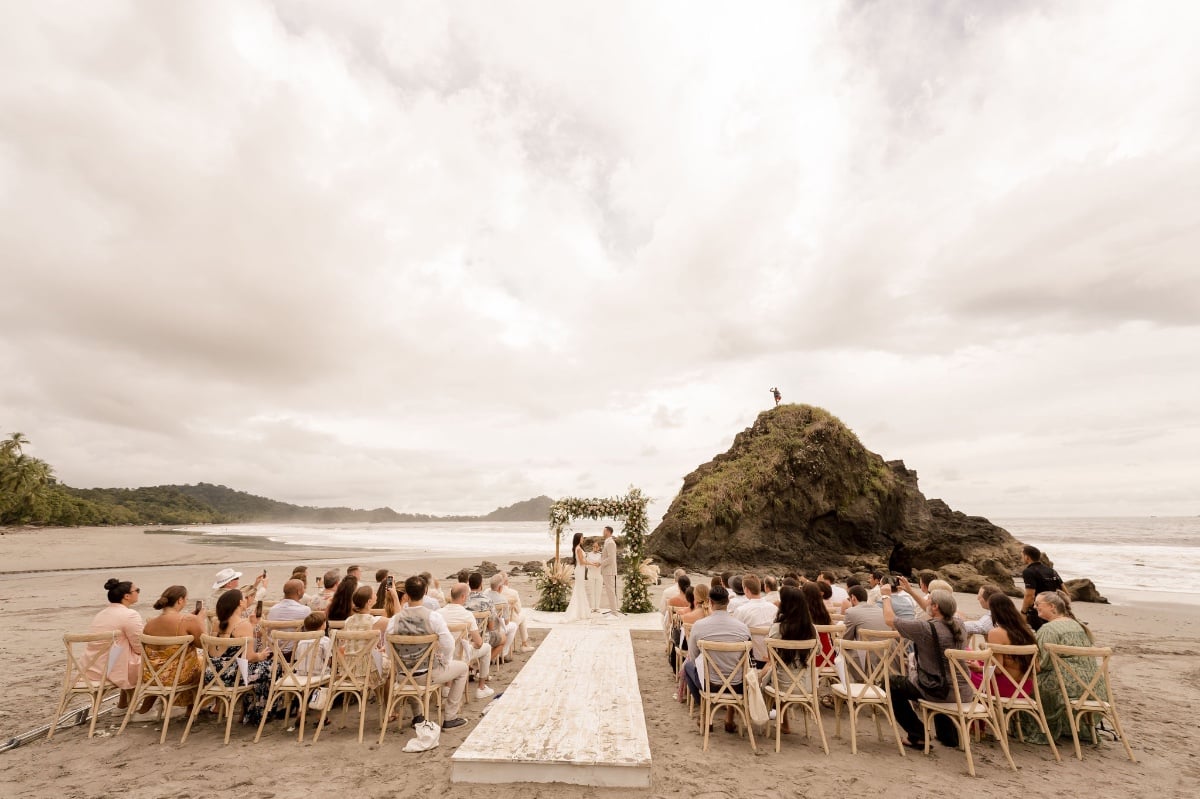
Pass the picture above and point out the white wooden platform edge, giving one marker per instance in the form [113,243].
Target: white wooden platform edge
[573,715]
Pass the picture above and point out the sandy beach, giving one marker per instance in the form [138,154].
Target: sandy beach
[50,583]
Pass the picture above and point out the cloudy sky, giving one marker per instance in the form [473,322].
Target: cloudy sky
[445,257]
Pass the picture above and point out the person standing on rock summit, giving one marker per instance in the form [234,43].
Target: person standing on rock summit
[608,569]
[775,393]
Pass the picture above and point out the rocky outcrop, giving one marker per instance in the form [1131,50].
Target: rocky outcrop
[1083,590]
[797,490]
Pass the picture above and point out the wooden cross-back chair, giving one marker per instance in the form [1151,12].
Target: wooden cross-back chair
[1095,695]
[410,675]
[717,687]
[86,673]
[161,681]
[1025,696]
[223,684]
[793,686]
[865,683]
[964,713]
[299,675]
[353,673]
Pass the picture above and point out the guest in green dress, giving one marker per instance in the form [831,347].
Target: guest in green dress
[1063,628]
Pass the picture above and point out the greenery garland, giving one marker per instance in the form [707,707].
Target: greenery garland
[630,508]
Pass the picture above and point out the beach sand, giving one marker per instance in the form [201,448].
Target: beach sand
[51,583]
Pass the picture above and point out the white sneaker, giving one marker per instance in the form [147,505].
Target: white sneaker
[485,692]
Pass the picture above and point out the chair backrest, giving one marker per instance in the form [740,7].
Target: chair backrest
[88,656]
[799,681]
[353,656]
[896,655]
[169,651]
[459,633]
[412,661]
[758,637]
[1068,667]
[865,663]
[227,676]
[725,679]
[308,664]
[484,619]
[1025,689]
[336,625]
[958,670]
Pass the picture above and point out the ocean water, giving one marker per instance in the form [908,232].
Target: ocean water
[1132,559]
[1129,559]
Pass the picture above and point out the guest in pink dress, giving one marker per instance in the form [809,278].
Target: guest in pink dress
[1009,627]
[125,664]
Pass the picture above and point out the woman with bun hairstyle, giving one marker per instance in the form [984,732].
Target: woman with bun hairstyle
[120,617]
[170,622]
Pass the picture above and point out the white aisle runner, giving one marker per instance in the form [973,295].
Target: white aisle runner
[573,715]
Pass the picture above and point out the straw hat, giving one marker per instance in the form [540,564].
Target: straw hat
[225,576]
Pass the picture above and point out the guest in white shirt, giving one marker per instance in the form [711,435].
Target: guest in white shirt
[756,612]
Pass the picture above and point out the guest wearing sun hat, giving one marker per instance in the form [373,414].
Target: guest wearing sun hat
[228,578]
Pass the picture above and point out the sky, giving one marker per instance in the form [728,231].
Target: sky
[448,256]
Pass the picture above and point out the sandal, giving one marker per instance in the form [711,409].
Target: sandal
[920,745]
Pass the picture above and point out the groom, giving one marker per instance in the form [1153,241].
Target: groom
[608,570]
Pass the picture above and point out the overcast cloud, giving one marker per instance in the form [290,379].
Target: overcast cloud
[445,257]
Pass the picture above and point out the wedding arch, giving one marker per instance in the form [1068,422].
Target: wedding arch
[631,511]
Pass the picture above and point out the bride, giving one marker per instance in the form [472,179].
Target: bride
[579,609]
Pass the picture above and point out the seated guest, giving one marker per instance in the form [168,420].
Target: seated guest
[355,572]
[930,663]
[170,622]
[433,591]
[756,612]
[839,593]
[875,579]
[862,615]
[518,614]
[721,627]
[477,602]
[679,599]
[381,577]
[119,616]
[290,608]
[770,587]
[231,623]
[475,649]
[983,625]
[716,580]
[312,623]
[1009,627]
[1059,626]
[342,603]
[904,605]
[827,597]
[228,579]
[416,619]
[362,619]
[819,613]
[500,602]
[736,593]
[329,582]
[792,623]
[673,590]
[699,606]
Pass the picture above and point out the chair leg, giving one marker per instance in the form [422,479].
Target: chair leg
[1074,724]
[1002,736]
[229,718]
[853,708]
[168,704]
[1121,733]
[272,697]
[191,717]
[964,736]
[303,714]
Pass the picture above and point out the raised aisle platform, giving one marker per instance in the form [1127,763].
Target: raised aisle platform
[573,715]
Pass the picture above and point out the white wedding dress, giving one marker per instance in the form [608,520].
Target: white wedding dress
[579,609]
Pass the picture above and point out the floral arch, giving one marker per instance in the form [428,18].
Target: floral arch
[631,511]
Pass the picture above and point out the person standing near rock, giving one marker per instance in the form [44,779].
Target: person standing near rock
[608,569]
[775,393]
[1037,577]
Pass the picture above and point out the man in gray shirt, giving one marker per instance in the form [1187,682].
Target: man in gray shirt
[862,615]
[722,627]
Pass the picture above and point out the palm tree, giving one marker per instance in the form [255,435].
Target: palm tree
[13,443]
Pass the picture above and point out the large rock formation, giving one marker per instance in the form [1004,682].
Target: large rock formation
[797,490]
